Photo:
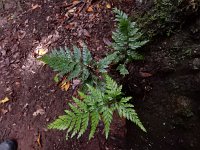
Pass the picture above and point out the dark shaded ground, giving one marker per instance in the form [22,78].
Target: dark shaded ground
[167,102]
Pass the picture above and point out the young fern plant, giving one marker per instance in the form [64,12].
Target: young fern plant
[78,64]
[94,107]
[126,40]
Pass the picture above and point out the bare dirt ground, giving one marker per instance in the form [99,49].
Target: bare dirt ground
[166,99]
[34,98]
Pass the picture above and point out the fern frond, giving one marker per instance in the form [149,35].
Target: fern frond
[61,123]
[127,111]
[78,64]
[84,124]
[87,58]
[77,54]
[58,60]
[107,115]
[105,62]
[120,15]
[127,39]
[122,69]
[95,117]
[94,107]
[75,72]
[112,89]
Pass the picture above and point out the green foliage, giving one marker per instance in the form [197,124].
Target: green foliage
[126,40]
[165,15]
[78,64]
[94,107]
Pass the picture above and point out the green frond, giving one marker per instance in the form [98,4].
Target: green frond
[87,58]
[122,69]
[127,111]
[57,60]
[119,14]
[77,54]
[85,74]
[68,52]
[105,62]
[112,89]
[75,73]
[80,103]
[126,40]
[77,64]
[95,106]
[107,116]
[95,117]
[60,123]
[84,124]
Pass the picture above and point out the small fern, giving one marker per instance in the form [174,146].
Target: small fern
[126,40]
[78,64]
[94,107]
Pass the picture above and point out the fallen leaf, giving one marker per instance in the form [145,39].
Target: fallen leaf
[107,42]
[75,83]
[72,10]
[39,140]
[35,6]
[86,33]
[75,2]
[4,111]
[65,85]
[108,6]
[39,112]
[90,9]
[145,74]
[40,51]
[71,26]
[5,100]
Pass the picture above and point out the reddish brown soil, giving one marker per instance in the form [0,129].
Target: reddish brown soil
[29,85]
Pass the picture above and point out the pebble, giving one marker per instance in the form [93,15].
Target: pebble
[196,64]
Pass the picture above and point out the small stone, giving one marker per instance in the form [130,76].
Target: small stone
[4,111]
[184,106]
[196,64]
[39,112]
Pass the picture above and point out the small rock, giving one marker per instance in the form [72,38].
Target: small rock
[196,64]
[39,112]
[184,106]
[4,111]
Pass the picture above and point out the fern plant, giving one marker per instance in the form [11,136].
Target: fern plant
[94,107]
[126,40]
[78,64]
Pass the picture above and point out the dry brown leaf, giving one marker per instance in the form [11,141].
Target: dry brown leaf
[75,83]
[107,42]
[41,51]
[39,140]
[145,74]
[71,11]
[90,9]
[86,33]
[75,2]
[4,111]
[5,100]
[108,6]
[65,85]
[71,26]
[34,6]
